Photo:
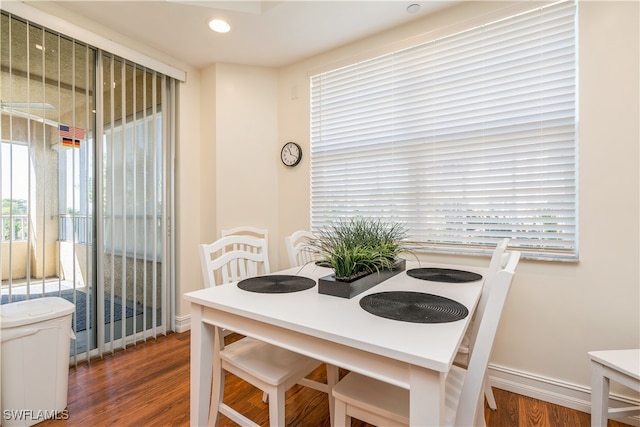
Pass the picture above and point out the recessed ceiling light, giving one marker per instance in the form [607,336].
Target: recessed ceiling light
[413,8]
[219,26]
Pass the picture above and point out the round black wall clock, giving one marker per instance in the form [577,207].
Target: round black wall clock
[291,154]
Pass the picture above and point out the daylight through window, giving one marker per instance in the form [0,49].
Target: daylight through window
[466,139]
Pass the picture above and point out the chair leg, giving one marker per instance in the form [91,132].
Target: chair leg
[217,380]
[488,392]
[479,417]
[332,379]
[481,421]
[276,407]
[217,391]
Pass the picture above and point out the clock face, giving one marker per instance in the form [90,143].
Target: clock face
[291,154]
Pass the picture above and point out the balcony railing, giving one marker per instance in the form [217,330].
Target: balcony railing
[143,237]
[73,228]
[14,227]
[76,228]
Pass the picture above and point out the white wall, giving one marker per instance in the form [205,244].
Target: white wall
[239,174]
[293,182]
[556,311]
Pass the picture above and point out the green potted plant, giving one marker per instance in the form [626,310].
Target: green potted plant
[362,252]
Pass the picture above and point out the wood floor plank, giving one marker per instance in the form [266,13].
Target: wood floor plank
[532,412]
[561,416]
[507,412]
[148,385]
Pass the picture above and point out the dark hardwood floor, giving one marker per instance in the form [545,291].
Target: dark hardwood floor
[148,385]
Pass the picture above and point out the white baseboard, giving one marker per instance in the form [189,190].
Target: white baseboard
[554,391]
[183,323]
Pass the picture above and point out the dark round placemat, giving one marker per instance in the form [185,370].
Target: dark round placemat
[276,284]
[444,275]
[415,307]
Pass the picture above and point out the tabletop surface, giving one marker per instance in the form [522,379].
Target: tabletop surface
[627,361]
[343,321]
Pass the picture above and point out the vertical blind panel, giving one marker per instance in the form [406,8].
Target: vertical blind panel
[133,151]
[467,139]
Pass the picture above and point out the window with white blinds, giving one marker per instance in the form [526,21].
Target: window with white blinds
[466,139]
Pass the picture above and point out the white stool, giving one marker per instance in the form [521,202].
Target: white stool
[622,366]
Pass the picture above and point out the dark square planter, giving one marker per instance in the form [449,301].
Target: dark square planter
[330,286]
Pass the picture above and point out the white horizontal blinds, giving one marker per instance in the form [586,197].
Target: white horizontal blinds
[466,139]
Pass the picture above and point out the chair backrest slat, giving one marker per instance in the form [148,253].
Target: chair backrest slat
[299,250]
[246,230]
[234,258]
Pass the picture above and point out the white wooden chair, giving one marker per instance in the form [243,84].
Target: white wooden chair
[498,260]
[380,403]
[247,230]
[270,368]
[298,248]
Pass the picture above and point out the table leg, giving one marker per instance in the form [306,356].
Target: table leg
[599,396]
[426,411]
[202,344]
[217,378]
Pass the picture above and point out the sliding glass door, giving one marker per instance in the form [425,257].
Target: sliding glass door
[85,185]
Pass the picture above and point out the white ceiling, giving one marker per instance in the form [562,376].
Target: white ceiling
[263,33]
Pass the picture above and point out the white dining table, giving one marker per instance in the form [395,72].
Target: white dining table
[335,330]
[621,366]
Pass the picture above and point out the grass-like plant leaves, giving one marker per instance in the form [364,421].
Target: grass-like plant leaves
[360,246]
